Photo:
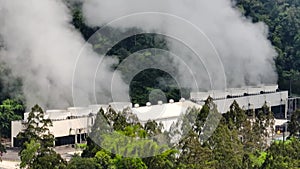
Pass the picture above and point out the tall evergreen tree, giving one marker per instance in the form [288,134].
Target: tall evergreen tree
[36,151]
[294,124]
[37,128]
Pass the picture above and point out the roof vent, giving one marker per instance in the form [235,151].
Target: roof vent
[148,104]
[171,101]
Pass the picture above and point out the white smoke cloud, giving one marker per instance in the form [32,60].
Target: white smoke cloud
[244,49]
[41,46]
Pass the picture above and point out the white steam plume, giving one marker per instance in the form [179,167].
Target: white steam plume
[244,50]
[41,46]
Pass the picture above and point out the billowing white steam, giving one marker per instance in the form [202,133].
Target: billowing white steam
[41,46]
[245,52]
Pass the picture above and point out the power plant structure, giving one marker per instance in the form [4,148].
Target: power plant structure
[73,125]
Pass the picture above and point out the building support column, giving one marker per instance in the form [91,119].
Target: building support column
[11,133]
[75,136]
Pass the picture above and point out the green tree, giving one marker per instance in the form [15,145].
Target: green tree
[235,117]
[193,154]
[263,125]
[203,114]
[165,160]
[226,147]
[254,160]
[185,123]
[294,124]
[283,155]
[2,149]
[103,159]
[49,160]
[82,163]
[33,158]
[10,110]
[153,128]
[121,134]
[10,85]
[91,149]
[37,128]
[129,163]
[283,19]
[79,22]
[28,155]
[36,151]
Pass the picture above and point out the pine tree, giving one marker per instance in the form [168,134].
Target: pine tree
[37,128]
[36,151]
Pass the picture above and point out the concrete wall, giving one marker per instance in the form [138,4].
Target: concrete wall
[60,128]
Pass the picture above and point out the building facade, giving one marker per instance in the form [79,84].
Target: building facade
[72,126]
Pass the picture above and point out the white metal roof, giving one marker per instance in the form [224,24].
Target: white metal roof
[167,110]
[233,92]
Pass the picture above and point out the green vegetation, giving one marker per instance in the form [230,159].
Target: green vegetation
[294,124]
[239,140]
[118,141]
[281,16]
[236,143]
[144,82]
[283,155]
[283,19]
[10,110]
[10,85]
[81,146]
[12,102]
[37,142]
[2,150]
[82,163]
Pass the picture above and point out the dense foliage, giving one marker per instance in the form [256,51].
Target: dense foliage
[118,140]
[10,110]
[283,19]
[10,85]
[37,142]
[12,102]
[144,82]
[239,141]
[281,16]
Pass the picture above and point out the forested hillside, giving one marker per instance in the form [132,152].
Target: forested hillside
[283,19]
[281,16]
[239,141]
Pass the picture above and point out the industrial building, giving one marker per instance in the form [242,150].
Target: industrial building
[72,126]
[248,98]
